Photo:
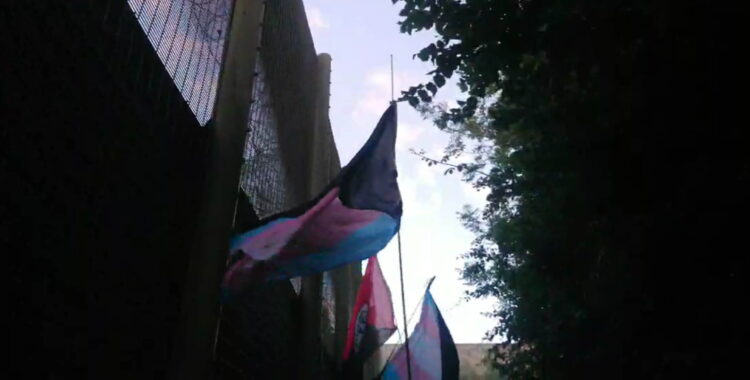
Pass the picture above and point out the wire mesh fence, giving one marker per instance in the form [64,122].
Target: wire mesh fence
[118,123]
[189,37]
[263,177]
[282,155]
[152,53]
[328,326]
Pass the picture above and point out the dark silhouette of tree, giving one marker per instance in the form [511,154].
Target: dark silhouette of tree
[614,229]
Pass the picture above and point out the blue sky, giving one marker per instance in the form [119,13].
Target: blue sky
[360,35]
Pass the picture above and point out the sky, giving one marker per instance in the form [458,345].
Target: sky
[360,35]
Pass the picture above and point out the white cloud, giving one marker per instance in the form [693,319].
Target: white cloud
[369,106]
[408,134]
[436,199]
[375,96]
[378,79]
[315,19]
[377,91]
[476,197]
[316,22]
[413,205]
[427,175]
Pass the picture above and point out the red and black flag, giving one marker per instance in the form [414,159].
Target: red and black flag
[372,321]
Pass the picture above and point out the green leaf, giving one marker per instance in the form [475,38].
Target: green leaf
[424,96]
[439,80]
[432,88]
[413,101]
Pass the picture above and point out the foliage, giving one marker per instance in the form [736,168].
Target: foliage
[593,125]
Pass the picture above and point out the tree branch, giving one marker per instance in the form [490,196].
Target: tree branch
[432,161]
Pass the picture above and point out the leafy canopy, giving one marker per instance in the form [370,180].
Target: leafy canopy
[587,121]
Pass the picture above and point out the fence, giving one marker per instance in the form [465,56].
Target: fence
[103,159]
[289,155]
[263,176]
[109,97]
[189,37]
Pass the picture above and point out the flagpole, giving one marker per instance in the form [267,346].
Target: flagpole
[403,307]
[392,100]
[401,270]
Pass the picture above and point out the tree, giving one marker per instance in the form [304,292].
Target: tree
[610,221]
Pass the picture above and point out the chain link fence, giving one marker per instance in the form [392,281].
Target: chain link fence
[289,154]
[263,177]
[189,37]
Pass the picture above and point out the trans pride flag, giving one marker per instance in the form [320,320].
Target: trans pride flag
[352,219]
[432,353]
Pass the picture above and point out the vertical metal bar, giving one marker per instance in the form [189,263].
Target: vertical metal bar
[392,99]
[403,307]
[401,272]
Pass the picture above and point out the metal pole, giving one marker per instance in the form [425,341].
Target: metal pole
[401,272]
[403,307]
[392,78]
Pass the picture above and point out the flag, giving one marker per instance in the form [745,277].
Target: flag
[432,353]
[372,321]
[352,219]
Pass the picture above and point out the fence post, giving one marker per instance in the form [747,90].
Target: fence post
[311,293]
[193,350]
